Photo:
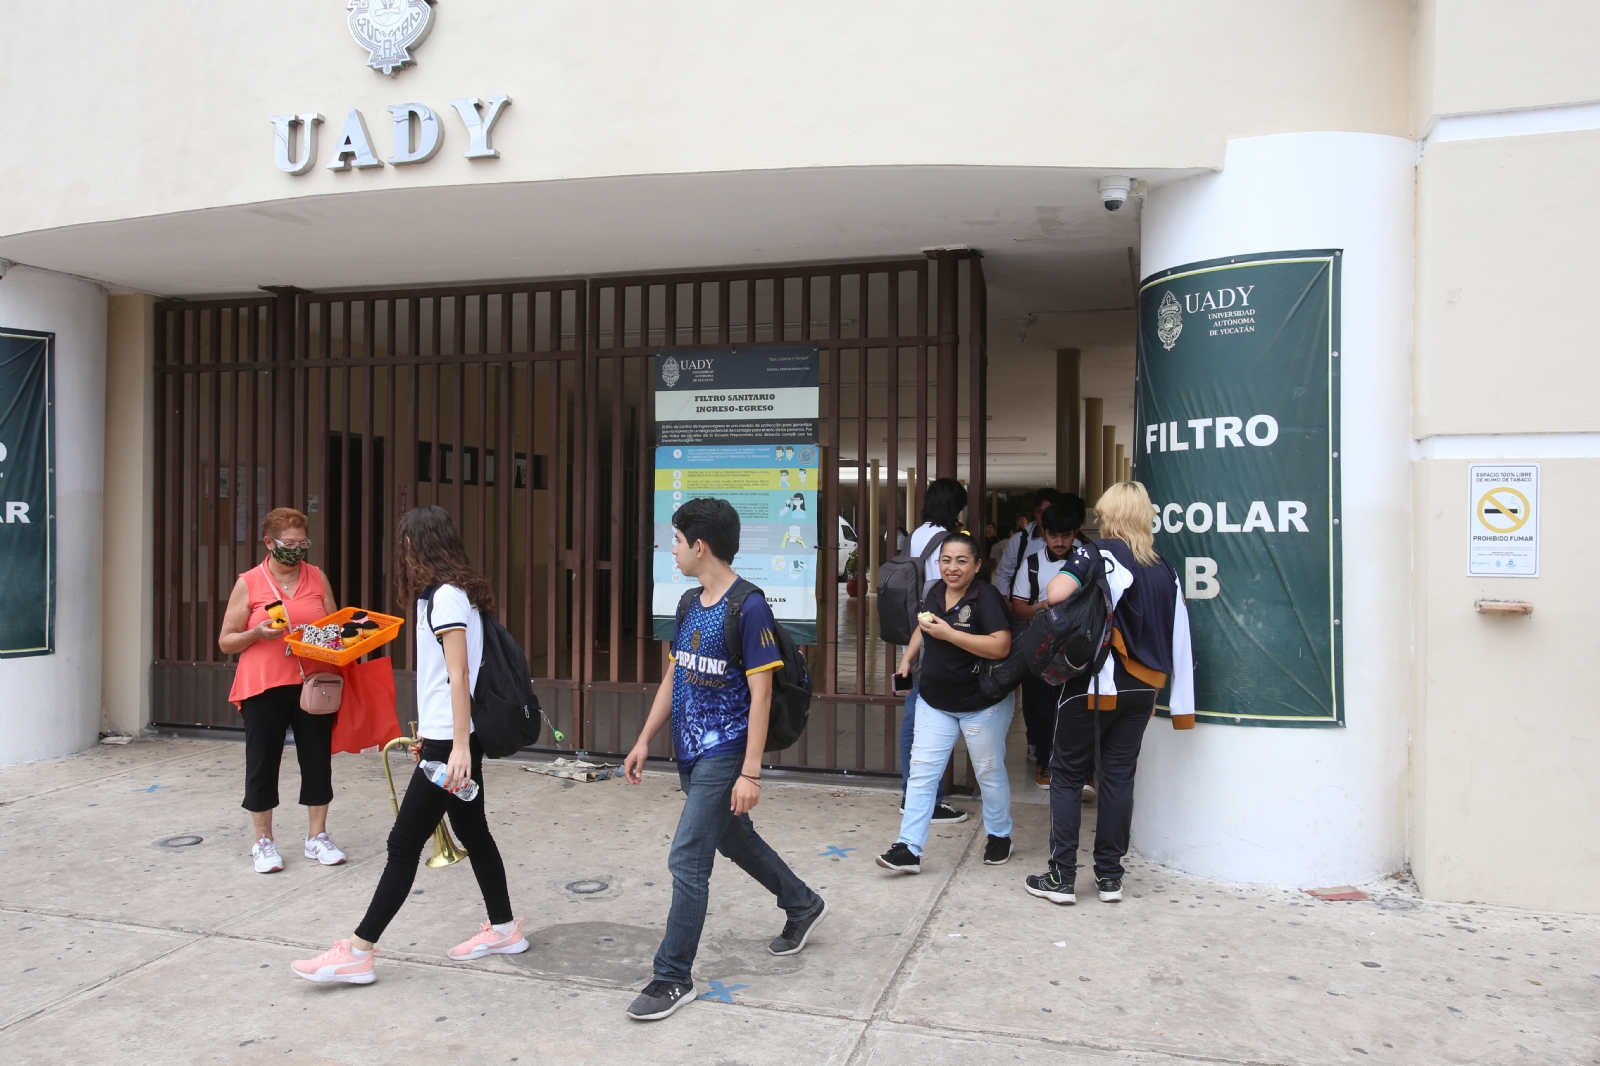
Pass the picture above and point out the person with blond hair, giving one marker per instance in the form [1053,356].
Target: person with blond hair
[1105,712]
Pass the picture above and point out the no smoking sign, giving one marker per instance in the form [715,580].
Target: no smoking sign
[1503,525]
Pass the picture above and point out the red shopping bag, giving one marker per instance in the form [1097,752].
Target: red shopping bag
[366,719]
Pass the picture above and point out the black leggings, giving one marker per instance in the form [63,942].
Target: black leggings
[267,717]
[424,804]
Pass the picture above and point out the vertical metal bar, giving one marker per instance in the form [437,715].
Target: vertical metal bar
[482,464]
[369,467]
[724,316]
[346,587]
[863,486]
[978,401]
[830,533]
[922,393]
[413,431]
[695,314]
[192,512]
[891,517]
[614,527]
[391,469]
[458,306]
[505,468]
[778,330]
[555,574]
[750,311]
[949,364]
[161,532]
[253,478]
[214,487]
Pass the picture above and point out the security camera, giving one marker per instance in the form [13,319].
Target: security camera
[1114,191]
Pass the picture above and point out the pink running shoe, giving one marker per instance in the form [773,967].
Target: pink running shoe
[338,965]
[489,942]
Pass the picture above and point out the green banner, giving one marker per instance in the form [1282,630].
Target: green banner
[27,494]
[1237,440]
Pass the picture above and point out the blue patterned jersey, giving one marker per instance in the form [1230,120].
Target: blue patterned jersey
[710,703]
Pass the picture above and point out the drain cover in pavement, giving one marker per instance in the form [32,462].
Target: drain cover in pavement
[188,840]
[587,888]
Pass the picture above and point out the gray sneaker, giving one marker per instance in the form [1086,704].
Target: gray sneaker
[795,933]
[659,999]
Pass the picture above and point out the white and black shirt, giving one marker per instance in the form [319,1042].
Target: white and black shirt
[451,610]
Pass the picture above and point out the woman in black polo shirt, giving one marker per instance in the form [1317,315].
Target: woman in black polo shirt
[963,622]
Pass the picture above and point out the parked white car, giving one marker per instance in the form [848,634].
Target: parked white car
[847,543]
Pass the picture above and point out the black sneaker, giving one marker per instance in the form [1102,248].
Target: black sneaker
[1110,889]
[1051,886]
[943,814]
[997,852]
[659,999]
[793,937]
[900,860]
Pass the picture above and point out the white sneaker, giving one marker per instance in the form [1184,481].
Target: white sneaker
[324,850]
[265,853]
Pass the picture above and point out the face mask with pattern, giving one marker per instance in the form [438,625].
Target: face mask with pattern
[289,555]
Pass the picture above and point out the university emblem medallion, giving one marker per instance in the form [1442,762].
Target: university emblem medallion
[669,371]
[388,29]
[1169,320]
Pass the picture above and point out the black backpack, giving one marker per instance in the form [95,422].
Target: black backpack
[902,586]
[1062,642]
[791,682]
[505,713]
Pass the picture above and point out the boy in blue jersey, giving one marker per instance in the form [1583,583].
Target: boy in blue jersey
[718,700]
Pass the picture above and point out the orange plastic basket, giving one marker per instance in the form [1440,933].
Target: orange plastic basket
[388,629]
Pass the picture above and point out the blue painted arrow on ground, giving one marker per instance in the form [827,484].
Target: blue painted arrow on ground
[722,993]
[837,853]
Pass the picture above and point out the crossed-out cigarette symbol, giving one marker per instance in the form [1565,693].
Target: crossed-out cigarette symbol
[1503,510]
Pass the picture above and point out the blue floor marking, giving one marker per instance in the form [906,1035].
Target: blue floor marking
[837,853]
[152,788]
[722,993]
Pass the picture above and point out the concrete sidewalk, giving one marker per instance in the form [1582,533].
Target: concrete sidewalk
[120,950]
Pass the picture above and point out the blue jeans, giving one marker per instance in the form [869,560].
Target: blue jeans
[985,734]
[908,736]
[706,827]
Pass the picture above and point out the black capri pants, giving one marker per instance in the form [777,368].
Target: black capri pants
[267,718]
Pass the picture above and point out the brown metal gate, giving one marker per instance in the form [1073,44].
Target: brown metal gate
[525,409]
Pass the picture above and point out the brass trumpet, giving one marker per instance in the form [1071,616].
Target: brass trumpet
[446,852]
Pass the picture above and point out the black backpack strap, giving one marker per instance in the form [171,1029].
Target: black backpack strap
[428,594]
[732,639]
[1033,576]
[931,547]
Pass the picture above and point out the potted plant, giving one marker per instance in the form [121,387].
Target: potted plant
[852,566]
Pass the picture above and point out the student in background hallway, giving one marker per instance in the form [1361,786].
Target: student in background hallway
[1022,543]
[1109,711]
[1065,555]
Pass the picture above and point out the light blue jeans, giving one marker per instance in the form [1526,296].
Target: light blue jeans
[985,734]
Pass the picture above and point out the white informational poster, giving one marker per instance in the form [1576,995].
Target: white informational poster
[1503,520]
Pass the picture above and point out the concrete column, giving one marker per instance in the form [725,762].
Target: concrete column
[129,501]
[1068,419]
[1118,465]
[1094,472]
[51,703]
[1310,806]
[1108,456]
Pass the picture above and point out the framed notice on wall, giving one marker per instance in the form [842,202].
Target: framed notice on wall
[741,425]
[27,493]
[1237,441]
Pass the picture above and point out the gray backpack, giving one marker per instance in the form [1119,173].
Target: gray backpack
[902,586]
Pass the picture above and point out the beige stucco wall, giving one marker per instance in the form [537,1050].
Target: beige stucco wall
[147,109]
[1505,734]
[1490,55]
[129,546]
[1506,272]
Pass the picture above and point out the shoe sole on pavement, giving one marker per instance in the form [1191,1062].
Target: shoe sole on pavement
[1114,896]
[1062,898]
[364,978]
[480,951]
[997,862]
[656,1017]
[962,816]
[809,930]
[917,869]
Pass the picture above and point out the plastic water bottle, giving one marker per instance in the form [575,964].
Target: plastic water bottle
[437,772]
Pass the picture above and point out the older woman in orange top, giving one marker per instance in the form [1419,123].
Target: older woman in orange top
[267,601]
